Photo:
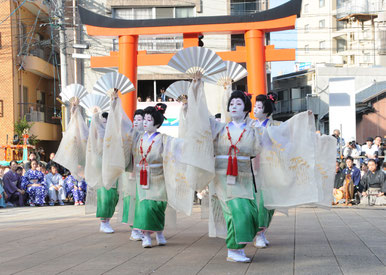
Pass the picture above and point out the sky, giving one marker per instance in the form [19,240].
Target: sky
[284,40]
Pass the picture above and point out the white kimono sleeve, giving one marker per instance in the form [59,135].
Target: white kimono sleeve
[71,153]
[93,170]
[287,163]
[325,168]
[180,194]
[116,144]
[199,151]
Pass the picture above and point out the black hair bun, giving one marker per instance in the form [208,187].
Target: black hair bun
[139,112]
[105,115]
[161,107]
[272,96]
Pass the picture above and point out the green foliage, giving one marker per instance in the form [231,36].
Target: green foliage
[22,125]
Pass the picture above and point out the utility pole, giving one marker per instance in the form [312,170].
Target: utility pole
[63,58]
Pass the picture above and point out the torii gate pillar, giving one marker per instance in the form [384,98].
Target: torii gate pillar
[255,50]
[128,51]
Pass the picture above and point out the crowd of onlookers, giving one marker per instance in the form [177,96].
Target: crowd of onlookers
[37,183]
[161,97]
[360,171]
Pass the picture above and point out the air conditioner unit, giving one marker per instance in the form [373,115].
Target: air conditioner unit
[40,116]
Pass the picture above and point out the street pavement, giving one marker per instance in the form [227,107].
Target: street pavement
[63,240]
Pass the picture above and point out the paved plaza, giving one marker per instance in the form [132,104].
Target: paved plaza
[63,240]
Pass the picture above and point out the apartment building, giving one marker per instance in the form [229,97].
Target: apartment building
[29,71]
[342,32]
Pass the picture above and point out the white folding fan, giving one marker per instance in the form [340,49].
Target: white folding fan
[113,80]
[234,72]
[178,90]
[94,103]
[72,92]
[195,60]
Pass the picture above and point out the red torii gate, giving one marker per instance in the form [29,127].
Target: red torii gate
[253,26]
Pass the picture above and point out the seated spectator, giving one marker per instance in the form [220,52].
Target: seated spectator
[27,165]
[3,197]
[338,184]
[33,182]
[79,192]
[12,185]
[364,169]
[42,168]
[159,99]
[139,99]
[56,190]
[369,150]
[374,186]
[148,99]
[52,162]
[353,150]
[381,150]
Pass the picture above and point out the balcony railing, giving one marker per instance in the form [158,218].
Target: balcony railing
[164,45]
[43,53]
[359,7]
[291,106]
[35,112]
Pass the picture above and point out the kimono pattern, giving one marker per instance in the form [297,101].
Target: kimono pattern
[36,194]
[79,193]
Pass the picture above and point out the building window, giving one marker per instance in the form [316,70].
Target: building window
[152,13]
[183,12]
[322,45]
[306,8]
[306,48]
[321,3]
[1,108]
[241,7]
[352,59]
[322,24]
[341,45]
[306,28]
[164,13]
[340,25]
[366,58]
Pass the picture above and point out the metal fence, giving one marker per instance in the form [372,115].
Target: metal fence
[291,106]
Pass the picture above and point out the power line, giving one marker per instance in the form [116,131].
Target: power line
[18,7]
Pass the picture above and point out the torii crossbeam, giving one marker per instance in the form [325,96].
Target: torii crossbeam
[253,26]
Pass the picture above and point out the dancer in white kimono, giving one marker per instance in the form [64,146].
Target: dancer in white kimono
[233,144]
[128,188]
[264,107]
[155,159]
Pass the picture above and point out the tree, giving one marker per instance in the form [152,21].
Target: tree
[23,125]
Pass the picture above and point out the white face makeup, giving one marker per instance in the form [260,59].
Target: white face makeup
[236,109]
[258,111]
[138,123]
[148,124]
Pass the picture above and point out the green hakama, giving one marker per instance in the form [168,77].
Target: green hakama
[265,215]
[241,217]
[106,202]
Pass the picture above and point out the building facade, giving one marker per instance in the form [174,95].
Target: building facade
[342,32]
[29,72]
